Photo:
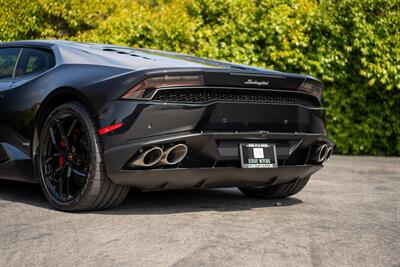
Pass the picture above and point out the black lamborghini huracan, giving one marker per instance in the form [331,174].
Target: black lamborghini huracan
[89,121]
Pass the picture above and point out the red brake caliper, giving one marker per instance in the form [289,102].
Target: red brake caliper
[62,144]
[61,161]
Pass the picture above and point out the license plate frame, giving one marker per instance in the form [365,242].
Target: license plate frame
[258,155]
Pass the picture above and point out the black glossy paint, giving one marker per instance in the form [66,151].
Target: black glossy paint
[99,75]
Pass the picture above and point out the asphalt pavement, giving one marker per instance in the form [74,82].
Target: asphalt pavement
[348,215]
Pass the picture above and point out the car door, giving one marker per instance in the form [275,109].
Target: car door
[22,99]
[8,60]
[9,155]
[19,112]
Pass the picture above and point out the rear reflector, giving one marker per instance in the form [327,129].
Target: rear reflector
[110,128]
[139,91]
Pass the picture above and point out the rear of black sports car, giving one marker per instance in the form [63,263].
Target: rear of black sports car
[215,128]
[90,121]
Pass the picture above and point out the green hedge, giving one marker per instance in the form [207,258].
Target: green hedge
[352,46]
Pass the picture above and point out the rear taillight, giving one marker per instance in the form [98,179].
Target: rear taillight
[140,90]
[312,87]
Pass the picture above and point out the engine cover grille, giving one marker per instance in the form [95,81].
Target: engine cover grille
[208,95]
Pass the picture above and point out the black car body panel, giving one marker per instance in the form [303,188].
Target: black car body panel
[236,103]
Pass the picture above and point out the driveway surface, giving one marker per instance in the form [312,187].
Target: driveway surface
[349,214]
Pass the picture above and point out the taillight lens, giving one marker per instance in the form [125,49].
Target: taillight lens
[312,87]
[139,91]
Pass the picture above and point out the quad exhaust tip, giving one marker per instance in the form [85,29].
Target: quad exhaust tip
[148,158]
[155,155]
[174,154]
[322,152]
[328,153]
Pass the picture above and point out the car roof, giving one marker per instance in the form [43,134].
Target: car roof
[47,43]
[144,58]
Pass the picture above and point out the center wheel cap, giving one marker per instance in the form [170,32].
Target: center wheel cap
[70,157]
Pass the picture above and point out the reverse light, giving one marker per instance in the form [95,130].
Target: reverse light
[140,90]
[110,128]
[312,87]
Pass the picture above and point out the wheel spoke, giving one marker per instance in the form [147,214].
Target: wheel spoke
[81,159]
[53,139]
[51,158]
[49,176]
[59,169]
[79,173]
[48,160]
[58,172]
[61,180]
[71,127]
[62,133]
[60,187]
[47,170]
[69,172]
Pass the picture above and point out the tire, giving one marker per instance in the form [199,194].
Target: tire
[275,191]
[70,162]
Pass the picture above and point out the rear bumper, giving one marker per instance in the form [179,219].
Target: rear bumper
[215,162]
[212,133]
[161,179]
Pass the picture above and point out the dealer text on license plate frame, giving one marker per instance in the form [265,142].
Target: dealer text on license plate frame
[258,155]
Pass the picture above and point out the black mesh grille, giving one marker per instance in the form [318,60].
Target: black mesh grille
[207,95]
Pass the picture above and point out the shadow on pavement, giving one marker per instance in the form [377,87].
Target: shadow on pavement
[26,193]
[159,202]
[182,201]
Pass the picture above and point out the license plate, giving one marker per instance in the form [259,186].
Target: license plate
[259,155]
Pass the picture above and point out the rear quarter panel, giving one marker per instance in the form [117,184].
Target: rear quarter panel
[25,98]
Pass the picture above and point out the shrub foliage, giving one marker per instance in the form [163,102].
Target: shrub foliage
[353,46]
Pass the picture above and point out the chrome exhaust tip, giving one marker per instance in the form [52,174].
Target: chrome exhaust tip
[147,158]
[328,153]
[174,154]
[322,152]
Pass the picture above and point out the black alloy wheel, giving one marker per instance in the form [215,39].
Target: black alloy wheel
[70,164]
[64,157]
